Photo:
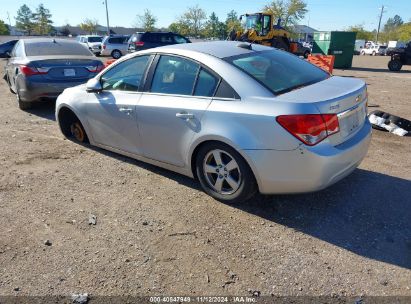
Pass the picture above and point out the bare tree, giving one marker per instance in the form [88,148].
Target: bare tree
[194,18]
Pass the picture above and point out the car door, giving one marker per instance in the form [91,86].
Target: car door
[12,65]
[169,113]
[111,113]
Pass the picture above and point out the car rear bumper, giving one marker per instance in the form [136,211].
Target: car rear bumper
[308,169]
[30,91]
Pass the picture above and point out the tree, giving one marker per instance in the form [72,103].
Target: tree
[180,28]
[65,30]
[42,20]
[214,28]
[194,18]
[232,22]
[361,32]
[289,11]
[4,29]
[404,32]
[24,19]
[147,21]
[391,28]
[89,25]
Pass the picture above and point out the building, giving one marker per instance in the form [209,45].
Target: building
[303,32]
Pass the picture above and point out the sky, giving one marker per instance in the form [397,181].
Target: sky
[323,15]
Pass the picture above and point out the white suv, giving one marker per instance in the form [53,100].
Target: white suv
[92,42]
[114,46]
[370,50]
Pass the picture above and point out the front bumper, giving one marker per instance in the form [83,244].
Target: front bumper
[308,169]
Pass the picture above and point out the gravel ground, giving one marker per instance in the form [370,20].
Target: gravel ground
[157,233]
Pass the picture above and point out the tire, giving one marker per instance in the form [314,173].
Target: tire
[6,78]
[394,65]
[116,54]
[306,53]
[280,44]
[224,174]
[78,133]
[23,105]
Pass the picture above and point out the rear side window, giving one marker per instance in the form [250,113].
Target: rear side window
[278,71]
[174,75]
[117,40]
[206,84]
[56,48]
[226,91]
[166,38]
[126,76]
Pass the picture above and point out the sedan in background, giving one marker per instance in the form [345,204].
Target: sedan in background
[239,117]
[41,68]
[6,48]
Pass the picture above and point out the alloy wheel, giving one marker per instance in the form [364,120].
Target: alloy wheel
[222,172]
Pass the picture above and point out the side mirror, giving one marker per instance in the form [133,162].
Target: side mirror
[93,86]
[8,55]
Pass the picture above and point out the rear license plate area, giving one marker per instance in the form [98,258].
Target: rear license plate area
[69,72]
[351,120]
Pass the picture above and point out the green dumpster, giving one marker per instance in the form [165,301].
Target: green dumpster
[339,44]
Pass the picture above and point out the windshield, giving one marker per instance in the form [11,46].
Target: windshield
[278,71]
[252,22]
[56,48]
[95,39]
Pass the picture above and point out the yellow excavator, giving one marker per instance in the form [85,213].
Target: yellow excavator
[260,28]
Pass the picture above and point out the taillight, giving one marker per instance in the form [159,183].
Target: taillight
[95,69]
[139,43]
[30,71]
[310,128]
[104,46]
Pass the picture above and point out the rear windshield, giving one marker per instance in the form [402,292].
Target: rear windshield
[136,37]
[278,71]
[95,39]
[56,48]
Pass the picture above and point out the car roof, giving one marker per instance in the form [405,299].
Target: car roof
[219,49]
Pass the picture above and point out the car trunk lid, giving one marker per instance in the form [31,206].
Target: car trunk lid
[345,97]
[68,69]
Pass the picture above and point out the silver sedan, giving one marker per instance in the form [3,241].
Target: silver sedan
[240,118]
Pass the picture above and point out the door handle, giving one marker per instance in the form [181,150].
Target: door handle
[185,115]
[126,110]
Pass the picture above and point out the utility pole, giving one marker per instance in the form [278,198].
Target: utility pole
[108,23]
[8,17]
[379,24]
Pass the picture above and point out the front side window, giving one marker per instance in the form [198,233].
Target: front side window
[180,39]
[18,50]
[95,39]
[278,71]
[174,75]
[267,24]
[126,76]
